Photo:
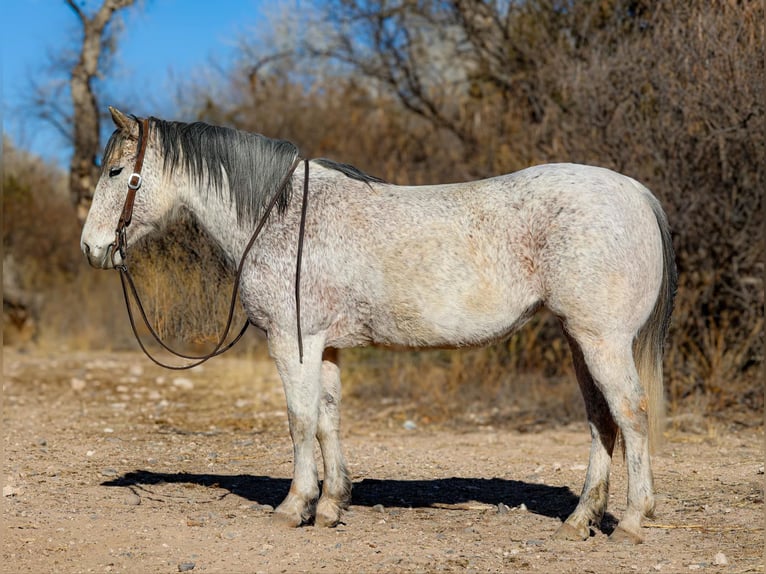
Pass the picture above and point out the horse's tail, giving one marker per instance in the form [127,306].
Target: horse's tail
[650,340]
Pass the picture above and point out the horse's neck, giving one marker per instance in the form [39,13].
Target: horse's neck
[218,216]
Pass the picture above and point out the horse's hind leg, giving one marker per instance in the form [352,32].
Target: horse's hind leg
[610,363]
[336,487]
[595,493]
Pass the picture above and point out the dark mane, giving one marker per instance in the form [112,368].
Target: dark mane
[348,170]
[253,165]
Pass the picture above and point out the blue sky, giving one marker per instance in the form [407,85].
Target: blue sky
[162,40]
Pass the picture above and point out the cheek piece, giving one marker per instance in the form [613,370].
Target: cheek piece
[120,244]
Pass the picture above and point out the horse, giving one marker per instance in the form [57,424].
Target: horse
[463,264]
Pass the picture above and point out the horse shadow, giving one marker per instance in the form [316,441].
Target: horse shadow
[551,501]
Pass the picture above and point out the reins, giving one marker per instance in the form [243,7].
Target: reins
[129,286]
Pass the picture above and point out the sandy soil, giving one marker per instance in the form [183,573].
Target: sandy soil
[112,465]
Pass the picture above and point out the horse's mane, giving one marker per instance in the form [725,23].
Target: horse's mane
[253,165]
[348,170]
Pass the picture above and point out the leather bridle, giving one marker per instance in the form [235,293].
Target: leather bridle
[128,285]
[120,244]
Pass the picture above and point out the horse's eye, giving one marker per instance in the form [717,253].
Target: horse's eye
[115,171]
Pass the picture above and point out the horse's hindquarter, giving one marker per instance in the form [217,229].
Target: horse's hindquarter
[597,247]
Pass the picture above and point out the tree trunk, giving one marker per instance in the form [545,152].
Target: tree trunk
[86,141]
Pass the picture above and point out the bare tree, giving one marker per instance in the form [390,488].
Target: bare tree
[85,133]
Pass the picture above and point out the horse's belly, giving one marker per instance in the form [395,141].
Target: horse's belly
[445,287]
[463,319]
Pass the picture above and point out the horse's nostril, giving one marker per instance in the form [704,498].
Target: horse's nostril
[86,248]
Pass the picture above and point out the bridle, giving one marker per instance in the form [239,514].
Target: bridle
[120,246]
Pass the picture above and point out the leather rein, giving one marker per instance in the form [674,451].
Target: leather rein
[120,246]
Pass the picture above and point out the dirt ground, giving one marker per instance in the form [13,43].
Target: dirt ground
[113,465]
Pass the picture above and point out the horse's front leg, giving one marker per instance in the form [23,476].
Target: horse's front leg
[302,391]
[336,487]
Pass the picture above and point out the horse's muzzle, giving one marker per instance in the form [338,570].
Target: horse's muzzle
[101,257]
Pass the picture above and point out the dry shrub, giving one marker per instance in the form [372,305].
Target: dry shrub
[662,108]
[185,286]
[670,93]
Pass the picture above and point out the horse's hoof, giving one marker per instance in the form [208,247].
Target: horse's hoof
[328,514]
[568,532]
[286,519]
[622,536]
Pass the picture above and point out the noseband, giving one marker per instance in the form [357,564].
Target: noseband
[120,246]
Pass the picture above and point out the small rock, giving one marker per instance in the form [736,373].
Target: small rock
[522,507]
[378,508]
[720,559]
[502,508]
[41,442]
[760,470]
[136,370]
[132,499]
[186,566]
[109,472]
[578,467]
[9,490]
[77,384]
[90,453]
[183,383]
[409,425]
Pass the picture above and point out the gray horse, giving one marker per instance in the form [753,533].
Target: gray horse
[433,266]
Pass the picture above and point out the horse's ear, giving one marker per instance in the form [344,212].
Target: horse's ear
[123,122]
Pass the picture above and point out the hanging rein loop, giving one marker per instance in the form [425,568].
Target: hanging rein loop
[129,286]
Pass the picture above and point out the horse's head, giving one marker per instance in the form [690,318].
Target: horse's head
[130,146]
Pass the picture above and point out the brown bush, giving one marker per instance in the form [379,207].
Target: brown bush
[670,93]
